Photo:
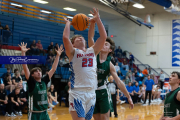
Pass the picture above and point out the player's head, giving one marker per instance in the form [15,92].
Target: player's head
[174,78]
[1,86]
[78,41]
[52,87]
[17,90]
[109,46]
[36,73]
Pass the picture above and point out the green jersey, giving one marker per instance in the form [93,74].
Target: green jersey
[171,104]
[38,95]
[103,70]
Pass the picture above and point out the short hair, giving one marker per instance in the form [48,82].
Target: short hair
[111,42]
[8,68]
[15,70]
[74,37]
[35,69]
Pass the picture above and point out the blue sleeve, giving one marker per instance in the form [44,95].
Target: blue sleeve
[145,83]
[153,82]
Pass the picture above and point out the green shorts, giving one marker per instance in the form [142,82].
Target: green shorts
[103,102]
[38,116]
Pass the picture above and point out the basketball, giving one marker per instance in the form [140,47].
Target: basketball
[80,22]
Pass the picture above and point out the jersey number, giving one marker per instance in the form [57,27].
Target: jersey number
[87,62]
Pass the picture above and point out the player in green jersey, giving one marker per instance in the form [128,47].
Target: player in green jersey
[37,89]
[172,101]
[104,68]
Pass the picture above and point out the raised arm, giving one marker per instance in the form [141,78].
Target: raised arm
[102,32]
[23,53]
[54,66]
[120,84]
[91,34]
[67,43]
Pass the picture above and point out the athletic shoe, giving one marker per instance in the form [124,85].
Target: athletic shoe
[16,112]
[13,115]
[123,102]
[144,104]
[155,100]
[116,116]
[6,114]
[57,102]
[50,109]
[50,105]
[20,113]
[159,100]
[142,101]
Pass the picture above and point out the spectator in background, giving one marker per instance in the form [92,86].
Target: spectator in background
[50,57]
[4,101]
[149,83]
[8,83]
[1,27]
[133,78]
[117,67]
[136,73]
[34,48]
[136,92]
[67,89]
[40,47]
[149,70]
[15,70]
[15,99]
[51,47]
[22,77]
[112,87]
[22,96]
[16,79]
[142,93]
[125,65]
[161,79]
[116,59]
[127,80]
[5,74]
[118,52]
[120,73]
[7,28]
[56,46]
[131,60]
[145,72]
[130,90]
[52,96]
[129,74]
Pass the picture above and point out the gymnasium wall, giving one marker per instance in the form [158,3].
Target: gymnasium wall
[142,40]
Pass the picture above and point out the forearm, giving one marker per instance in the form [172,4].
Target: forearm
[161,116]
[25,67]
[14,101]
[91,34]
[122,87]
[177,117]
[102,31]
[2,100]
[54,66]
[66,33]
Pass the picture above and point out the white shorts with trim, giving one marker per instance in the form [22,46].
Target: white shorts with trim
[83,102]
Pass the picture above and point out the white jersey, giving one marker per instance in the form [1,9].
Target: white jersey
[84,67]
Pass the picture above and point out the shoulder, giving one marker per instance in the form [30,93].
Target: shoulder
[178,95]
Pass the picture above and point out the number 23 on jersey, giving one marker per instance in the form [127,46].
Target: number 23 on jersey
[87,62]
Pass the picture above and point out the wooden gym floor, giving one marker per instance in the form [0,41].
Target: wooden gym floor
[152,112]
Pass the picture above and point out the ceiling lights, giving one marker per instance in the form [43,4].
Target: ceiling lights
[41,1]
[44,11]
[69,9]
[14,4]
[137,5]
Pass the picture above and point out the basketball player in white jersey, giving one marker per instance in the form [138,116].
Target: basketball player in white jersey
[83,61]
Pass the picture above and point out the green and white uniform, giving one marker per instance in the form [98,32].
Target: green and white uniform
[103,96]
[171,104]
[38,102]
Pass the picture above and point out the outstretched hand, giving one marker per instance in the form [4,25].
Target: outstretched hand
[131,105]
[95,14]
[60,50]
[66,20]
[23,47]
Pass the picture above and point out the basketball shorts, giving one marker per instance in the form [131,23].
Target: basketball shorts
[103,102]
[83,102]
[38,116]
